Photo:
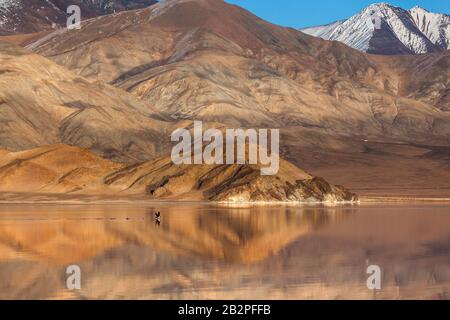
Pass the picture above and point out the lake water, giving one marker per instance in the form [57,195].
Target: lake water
[217,252]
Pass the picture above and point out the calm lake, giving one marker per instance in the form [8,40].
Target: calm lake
[201,251]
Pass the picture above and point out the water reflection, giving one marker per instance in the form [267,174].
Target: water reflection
[203,251]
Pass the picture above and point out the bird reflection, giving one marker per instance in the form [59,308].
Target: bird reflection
[157,218]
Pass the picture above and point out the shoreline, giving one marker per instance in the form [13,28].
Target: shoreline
[52,199]
[378,199]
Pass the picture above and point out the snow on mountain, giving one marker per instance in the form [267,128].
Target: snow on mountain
[324,31]
[435,26]
[385,29]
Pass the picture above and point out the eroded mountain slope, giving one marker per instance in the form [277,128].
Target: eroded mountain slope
[43,103]
[208,60]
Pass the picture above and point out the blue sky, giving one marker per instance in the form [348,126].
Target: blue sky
[305,13]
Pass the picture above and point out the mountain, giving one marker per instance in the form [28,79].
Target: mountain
[25,16]
[63,169]
[250,73]
[43,103]
[386,29]
[342,114]
[53,169]
[253,73]
[161,179]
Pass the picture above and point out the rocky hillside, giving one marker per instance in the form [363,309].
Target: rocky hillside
[137,75]
[249,73]
[53,169]
[161,179]
[62,169]
[43,103]
[26,16]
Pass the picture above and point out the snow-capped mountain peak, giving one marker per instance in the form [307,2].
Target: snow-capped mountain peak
[386,29]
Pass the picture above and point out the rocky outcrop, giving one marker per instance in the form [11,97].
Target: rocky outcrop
[62,169]
[226,183]
[270,189]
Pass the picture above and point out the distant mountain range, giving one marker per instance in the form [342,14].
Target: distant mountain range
[24,16]
[386,29]
[120,85]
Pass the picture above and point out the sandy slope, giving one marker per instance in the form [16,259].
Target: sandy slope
[53,169]
[43,103]
[62,169]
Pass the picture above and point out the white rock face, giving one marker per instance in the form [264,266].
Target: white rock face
[324,31]
[435,26]
[383,28]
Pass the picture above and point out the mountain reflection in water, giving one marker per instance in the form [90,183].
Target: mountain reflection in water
[208,252]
